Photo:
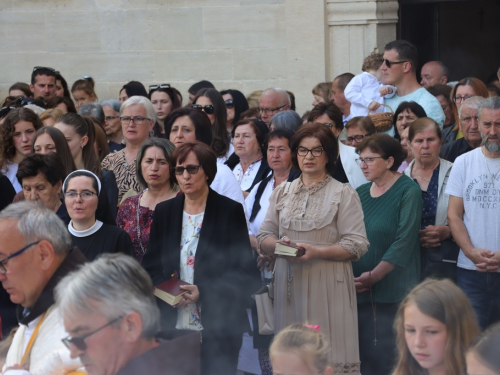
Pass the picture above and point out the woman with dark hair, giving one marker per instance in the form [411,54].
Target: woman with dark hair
[324,217]
[51,140]
[434,325]
[164,100]
[392,208]
[153,168]
[203,238]
[211,102]
[20,89]
[249,165]
[465,89]
[62,86]
[16,134]
[189,125]
[133,88]
[236,104]
[482,357]
[62,102]
[83,91]
[405,114]
[93,237]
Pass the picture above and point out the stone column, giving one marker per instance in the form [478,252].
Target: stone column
[356,29]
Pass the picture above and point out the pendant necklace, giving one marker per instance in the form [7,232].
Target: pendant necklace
[492,176]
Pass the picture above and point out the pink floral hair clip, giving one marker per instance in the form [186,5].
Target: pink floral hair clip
[316,327]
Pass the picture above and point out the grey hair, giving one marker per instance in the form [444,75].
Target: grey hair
[93,110]
[488,103]
[112,103]
[113,285]
[141,100]
[36,223]
[284,97]
[286,120]
[473,102]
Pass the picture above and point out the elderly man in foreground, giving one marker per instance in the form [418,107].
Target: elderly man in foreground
[110,313]
[35,253]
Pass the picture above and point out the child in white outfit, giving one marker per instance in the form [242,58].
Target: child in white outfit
[365,92]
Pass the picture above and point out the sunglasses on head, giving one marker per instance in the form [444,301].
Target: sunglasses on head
[209,109]
[45,68]
[229,104]
[389,63]
[157,87]
[5,111]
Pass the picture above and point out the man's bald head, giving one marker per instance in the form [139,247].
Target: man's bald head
[272,101]
[434,72]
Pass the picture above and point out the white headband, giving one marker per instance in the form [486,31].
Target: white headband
[83,170]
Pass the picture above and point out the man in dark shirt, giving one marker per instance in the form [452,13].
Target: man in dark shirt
[469,126]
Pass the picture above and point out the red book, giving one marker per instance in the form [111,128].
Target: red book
[289,249]
[170,291]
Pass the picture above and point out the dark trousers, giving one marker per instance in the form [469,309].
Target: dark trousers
[219,355]
[377,358]
[483,290]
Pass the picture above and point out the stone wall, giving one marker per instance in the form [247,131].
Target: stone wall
[242,44]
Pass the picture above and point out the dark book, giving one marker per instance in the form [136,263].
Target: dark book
[289,249]
[170,291]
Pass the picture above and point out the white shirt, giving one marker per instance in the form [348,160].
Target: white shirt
[11,175]
[245,179]
[476,179]
[254,226]
[225,184]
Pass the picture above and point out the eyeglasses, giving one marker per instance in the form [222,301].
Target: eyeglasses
[389,63]
[84,195]
[191,169]
[79,342]
[316,152]
[137,120]
[157,87]
[269,111]
[45,68]
[357,138]
[229,104]
[209,109]
[368,161]
[459,99]
[109,118]
[3,270]
[329,125]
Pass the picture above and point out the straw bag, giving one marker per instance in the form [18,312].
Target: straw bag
[382,121]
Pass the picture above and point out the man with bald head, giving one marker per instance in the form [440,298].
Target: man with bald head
[272,101]
[434,72]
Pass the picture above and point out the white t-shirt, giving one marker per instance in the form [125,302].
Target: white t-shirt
[225,184]
[11,175]
[254,226]
[476,179]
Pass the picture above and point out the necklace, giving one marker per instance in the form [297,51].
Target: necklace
[492,176]
[423,178]
[90,243]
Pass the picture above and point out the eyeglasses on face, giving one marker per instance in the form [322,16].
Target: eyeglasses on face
[229,104]
[110,118]
[459,99]
[191,169]
[84,195]
[358,138]
[368,161]
[389,63]
[160,86]
[209,109]
[79,341]
[3,270]
[329,125]
[270,111]
[137,120]
[316,152]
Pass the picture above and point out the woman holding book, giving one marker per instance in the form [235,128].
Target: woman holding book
[202,237]
[325,218]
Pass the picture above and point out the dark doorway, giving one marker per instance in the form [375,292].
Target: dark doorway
[465,35]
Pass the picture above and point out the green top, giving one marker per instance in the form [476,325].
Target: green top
[392,223]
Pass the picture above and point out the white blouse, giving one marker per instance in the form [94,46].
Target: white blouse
[245,179]
[189,317]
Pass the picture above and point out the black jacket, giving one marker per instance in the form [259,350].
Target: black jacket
[452,150]
[225,272]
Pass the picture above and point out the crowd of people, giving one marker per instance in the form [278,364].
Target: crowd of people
[390,186]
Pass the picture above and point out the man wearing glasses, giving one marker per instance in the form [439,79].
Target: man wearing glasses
[35,253]
[272,101]
[399,69]
[113,322]
[43,82]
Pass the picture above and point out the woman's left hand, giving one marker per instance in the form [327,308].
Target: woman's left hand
[191,296]
[432,235]
[310,254]
[363,282]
